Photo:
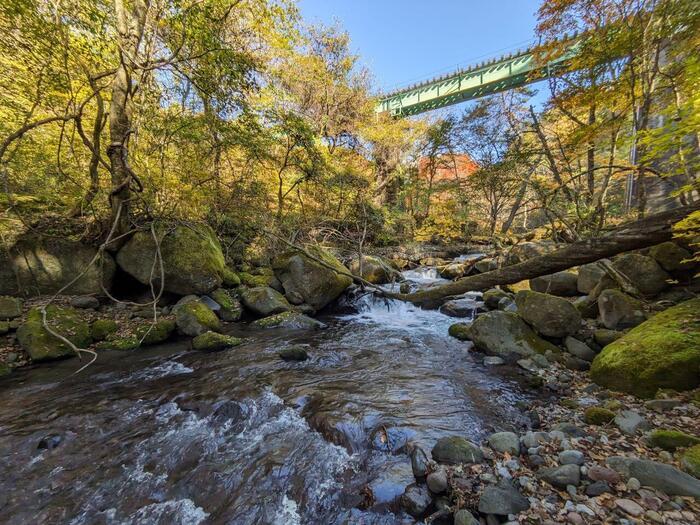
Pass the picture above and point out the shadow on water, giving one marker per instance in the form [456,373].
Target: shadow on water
[167,435]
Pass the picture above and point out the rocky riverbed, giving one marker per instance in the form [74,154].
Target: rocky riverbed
[571,398]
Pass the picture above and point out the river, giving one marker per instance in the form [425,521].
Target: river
[167,435]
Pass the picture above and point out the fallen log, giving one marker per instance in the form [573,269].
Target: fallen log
[649,231]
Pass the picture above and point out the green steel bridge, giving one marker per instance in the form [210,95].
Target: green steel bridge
[493,76]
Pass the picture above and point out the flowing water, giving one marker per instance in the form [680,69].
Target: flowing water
[170,436]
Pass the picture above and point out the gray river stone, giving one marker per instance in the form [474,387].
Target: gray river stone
[660,476]
[502,499]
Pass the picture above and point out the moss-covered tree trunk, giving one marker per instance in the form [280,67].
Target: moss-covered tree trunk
[652,230]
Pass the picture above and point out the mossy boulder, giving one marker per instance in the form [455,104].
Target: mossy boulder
[231,309]
[290,321]
[193,262]
[460,331]
[38,266]
[618,310]
[4,327]
[604,336]
[294,353]
[5,370]
[230,278]
[319,284]
[264,301]
[690,461]
[505,335]
[646,274]
[193,317]
[155,333]
[41,345]
[588,277]
[663,352]
[101,329]
[672,257]
[598,416]
[254,281]
[672,439]
[493,296]
[125,343]
[456,449]
[563,284]
[374,269]
[10,307]
[212,341]
[551,316]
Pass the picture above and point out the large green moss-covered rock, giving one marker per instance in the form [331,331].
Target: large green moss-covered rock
[264,301]
[193,262]
[505,335]
[101,329]
[231,309]
[551,316]
[289,320]
[672,439]
[211,341]
[125,343]
[690,461]
[317,283]
[663,352]
[38,266]
[41,345]
[193,317]
[374,269]
[154,333]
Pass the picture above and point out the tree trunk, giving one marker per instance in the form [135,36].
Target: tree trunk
[130,27]
[652,230]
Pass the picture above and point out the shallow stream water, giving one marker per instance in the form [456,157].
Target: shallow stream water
[170,436]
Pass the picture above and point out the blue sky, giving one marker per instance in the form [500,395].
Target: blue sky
[403,41]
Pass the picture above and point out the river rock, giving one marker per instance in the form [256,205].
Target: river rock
[374,269]
[663,352]
[153,333]
[505,442]
[194,318]
[493,360]
[604,336]
[690,461]
[571,457]
[493,296]
[579,349]
[608,475]
[290,321]
[40,266]
[644,272]
[562,476]
[597,488]
[463,307]
[264,301]
[486,265]
[316,283]
[211,342]
[85,302]
[660,476]
[629,507]
[630,422]
[41,345]
[672,439]
[619,310]
[416,500]
[419,462]
[551,316]
[193,261]
[464,517]
[671,257]
[453,270]
[460,331]
[10,307]
[563,284]
[502,499]
[506,335]
[588,277]
[456,449]
[294,353]
[437,481]
[230,308]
